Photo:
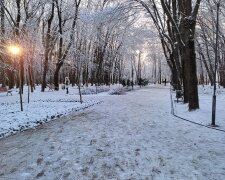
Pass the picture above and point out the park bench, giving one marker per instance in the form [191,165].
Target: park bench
[179,94]
[4,89]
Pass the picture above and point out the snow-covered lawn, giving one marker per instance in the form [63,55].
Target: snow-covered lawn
[204,114]
[132,136]
[43,107]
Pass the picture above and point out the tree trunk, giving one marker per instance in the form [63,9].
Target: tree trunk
[2,16]
[56,76]
[185,76]
[47,48]
[63,56]
[193,81]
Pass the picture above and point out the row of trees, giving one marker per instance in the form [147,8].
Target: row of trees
[188,37]
[97,41]
[176,24]
[206,42]
[85,40]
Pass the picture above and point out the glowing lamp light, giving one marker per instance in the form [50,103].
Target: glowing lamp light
[15,50]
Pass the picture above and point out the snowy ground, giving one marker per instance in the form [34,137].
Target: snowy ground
[204,114]
[46,106]
[133,136]
[42,108]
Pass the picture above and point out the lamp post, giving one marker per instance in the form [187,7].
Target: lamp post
[16,50]
[139,67]
[216,61]
[132,75]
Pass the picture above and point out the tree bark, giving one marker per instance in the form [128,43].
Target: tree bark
[47,47]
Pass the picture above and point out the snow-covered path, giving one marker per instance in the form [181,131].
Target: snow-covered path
[133,136]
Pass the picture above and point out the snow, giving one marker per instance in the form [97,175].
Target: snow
[43,107]
[204,114]
[131,136]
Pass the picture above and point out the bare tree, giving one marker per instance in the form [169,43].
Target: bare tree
[179,20]
[62,55]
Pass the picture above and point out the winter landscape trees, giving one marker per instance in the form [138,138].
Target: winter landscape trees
[99,71]
[97,43]
[176,24]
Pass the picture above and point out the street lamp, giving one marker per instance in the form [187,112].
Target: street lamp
[139,67]
[16,51]
[216,62]
[132,73]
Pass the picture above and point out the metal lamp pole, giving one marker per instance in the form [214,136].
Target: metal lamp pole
[139,67]
[15,50]
[20,90]
[216,61]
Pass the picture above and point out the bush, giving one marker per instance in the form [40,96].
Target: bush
[143,82]
[116,92]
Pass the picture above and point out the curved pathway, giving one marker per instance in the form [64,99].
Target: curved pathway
[132,136]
